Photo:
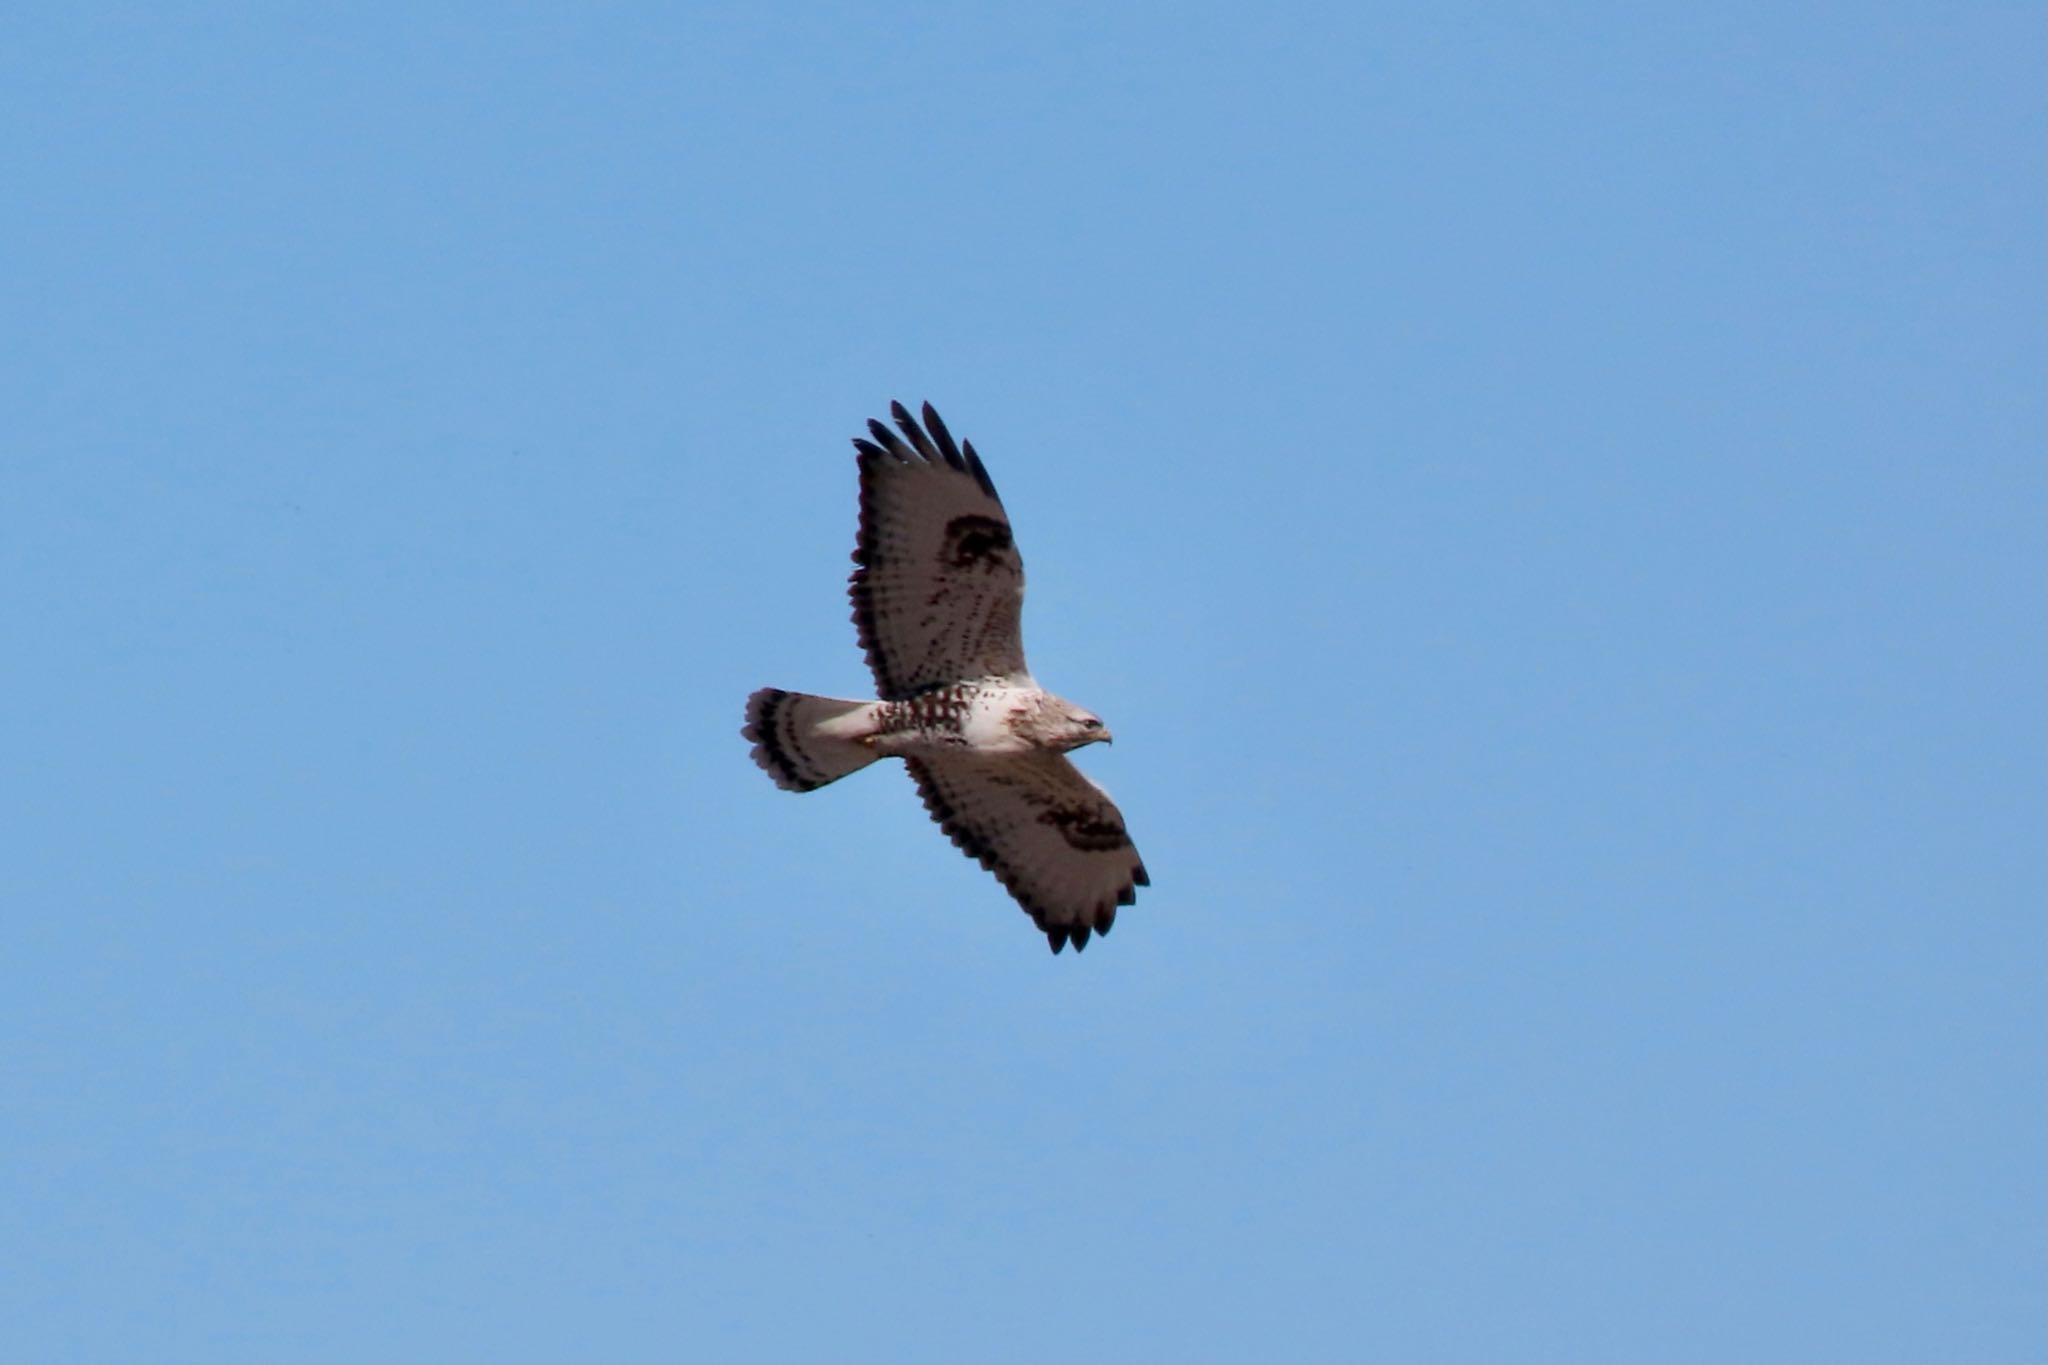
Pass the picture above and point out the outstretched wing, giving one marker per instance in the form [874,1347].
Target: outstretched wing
[939,587]
[1051,836]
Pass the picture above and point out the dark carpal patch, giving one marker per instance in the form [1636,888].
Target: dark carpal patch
[976,540]
[1086,829]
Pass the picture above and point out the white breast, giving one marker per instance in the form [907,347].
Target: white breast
[990,718]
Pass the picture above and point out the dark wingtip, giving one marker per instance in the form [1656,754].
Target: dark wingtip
[888,440]
[933,441]
[1140,878]
[947,447]
[979,471]
[1057,938]
[915,433]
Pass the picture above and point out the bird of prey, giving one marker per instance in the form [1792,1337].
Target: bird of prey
[937,590]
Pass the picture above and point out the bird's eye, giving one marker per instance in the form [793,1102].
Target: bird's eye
[1092,724]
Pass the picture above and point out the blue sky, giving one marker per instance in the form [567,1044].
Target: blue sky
[1550,500]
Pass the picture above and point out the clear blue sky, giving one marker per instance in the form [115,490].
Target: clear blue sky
[1549,498]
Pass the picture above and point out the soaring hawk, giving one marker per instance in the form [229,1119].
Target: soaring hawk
[937,591]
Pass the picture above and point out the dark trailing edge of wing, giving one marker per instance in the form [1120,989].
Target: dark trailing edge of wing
[968,842]
[864,557]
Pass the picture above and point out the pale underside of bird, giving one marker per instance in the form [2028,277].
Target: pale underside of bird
[938,590]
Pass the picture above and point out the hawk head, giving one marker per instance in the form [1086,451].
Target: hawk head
[1049,722]
[1074,727]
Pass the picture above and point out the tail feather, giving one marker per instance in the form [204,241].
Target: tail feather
[794,740]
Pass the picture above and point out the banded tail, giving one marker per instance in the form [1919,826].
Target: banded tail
[803,741]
